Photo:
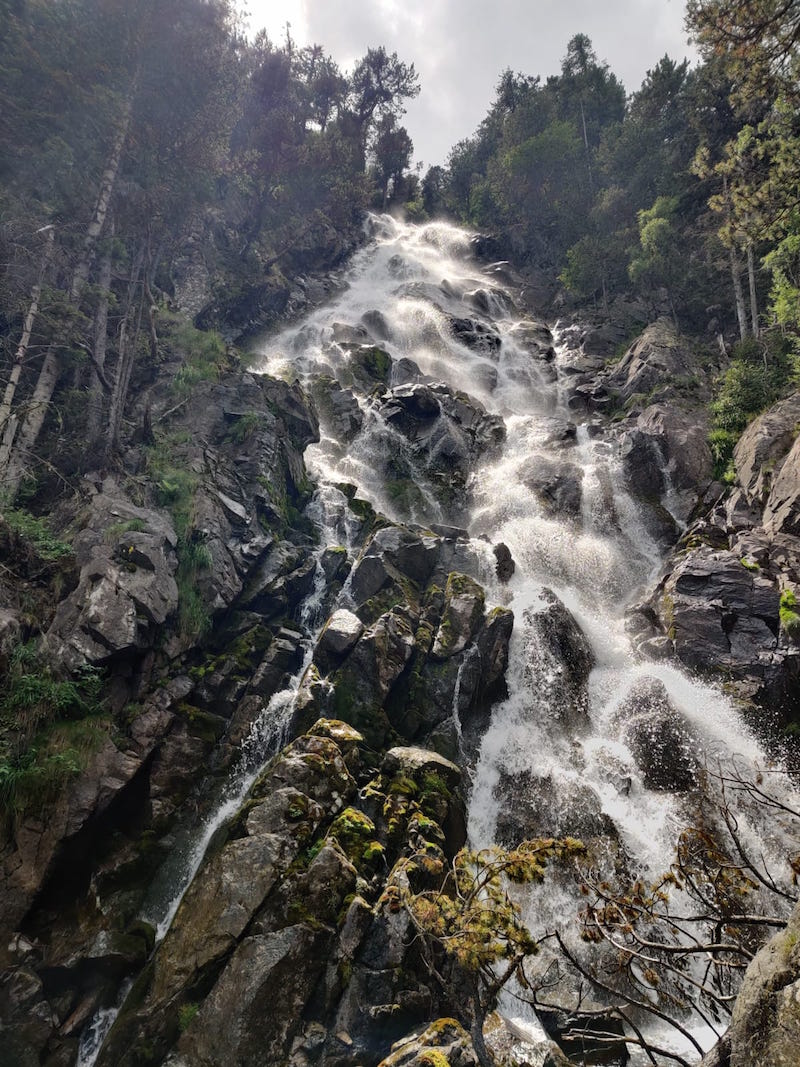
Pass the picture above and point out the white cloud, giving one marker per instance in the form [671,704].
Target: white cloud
[460,47]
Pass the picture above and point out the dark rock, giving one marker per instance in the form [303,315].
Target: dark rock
[530,806]
[557,485]
[559,660]
[475,335]
[665,749]
[505,565]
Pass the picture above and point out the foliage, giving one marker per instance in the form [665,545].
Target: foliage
[675,947]
[790,614]
[759,373]
[36,532]
[477,925]
[49,724]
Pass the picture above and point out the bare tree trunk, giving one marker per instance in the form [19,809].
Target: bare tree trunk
[100,344]
[476,1030]
[51,368]
[738,292]
[751,277]
[126,350]
[8,423]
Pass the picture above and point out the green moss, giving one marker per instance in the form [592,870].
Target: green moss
[789,615]
[749,564]
[373,851]
[433,1058]
[404,786]
[117,529]
[355,833]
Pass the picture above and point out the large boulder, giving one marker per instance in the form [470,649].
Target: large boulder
[664,747]
[655,359]
[559,661]
[762,448]
[557,485]
[765,1026]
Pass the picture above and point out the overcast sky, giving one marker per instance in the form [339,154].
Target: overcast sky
[460,47]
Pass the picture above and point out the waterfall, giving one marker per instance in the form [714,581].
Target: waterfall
[415,292]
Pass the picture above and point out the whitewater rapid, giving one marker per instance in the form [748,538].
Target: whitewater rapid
[408,282]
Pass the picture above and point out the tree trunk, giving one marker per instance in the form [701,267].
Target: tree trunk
[107,182]
[8,423]
[125,358]
[51,368]
[751,277]
[100,343]
[741,311]
[476,1030]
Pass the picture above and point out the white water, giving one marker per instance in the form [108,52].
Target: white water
[596,565]
[336,525]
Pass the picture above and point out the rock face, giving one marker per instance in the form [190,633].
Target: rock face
[660,741]
[417,653]
[127,587]
[290,938]
[446,431]
[718,601]
[765,1026]
[656,356]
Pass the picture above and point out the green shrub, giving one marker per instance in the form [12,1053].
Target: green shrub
[48,727]
[789,614]
[36,532]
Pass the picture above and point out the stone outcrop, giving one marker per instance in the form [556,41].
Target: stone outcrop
[765,1026]
[718,600]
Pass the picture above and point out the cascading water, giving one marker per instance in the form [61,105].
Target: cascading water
[415,292]
[336,527]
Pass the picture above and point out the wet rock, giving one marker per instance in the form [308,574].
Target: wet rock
[559,660]
[664,747]
[443,448]
[504,565]
[375,322]
[411,402]
[536,338]
[362,685]
[369,366]
[671,451]
[338,408]
[462,615]
[557,486]
[476,336]
[350,335]
[533,806]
